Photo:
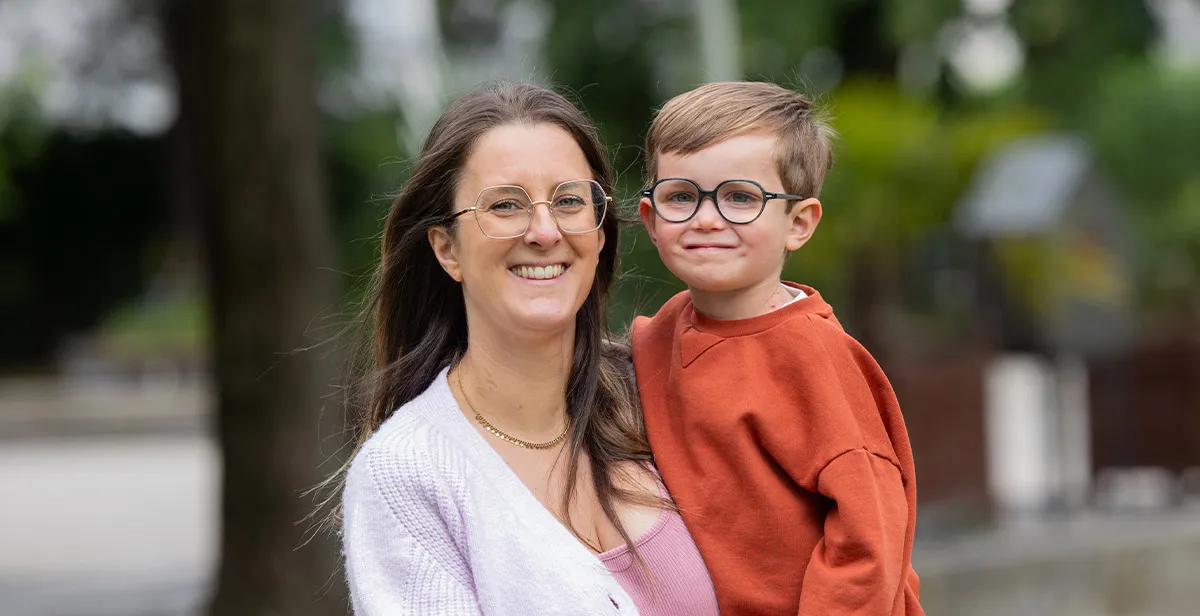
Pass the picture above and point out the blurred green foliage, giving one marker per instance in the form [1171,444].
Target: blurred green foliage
[902,159]
[1071,44]
[905,153]
[366,162]
[902,164]
[1145,124]
[83,229]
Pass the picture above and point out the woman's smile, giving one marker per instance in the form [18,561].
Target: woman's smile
[539,273]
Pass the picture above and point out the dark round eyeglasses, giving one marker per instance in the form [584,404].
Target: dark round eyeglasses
[739,202]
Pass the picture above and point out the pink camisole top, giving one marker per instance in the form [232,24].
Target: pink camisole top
[678,583]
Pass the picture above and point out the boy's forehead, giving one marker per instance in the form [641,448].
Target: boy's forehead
[746,155]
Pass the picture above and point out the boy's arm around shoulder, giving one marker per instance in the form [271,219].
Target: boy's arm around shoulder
[398,534]
[844,438]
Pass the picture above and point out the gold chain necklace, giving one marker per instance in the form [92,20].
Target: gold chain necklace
[487,425]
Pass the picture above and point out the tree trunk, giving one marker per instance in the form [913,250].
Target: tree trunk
[862,39]
[247,110]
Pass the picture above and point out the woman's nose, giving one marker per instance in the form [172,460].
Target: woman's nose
[543,229]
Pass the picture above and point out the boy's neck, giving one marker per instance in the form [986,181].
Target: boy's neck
[745,303]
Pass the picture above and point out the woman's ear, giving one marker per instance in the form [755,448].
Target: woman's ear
[445,251]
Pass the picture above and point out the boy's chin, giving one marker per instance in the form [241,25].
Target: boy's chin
[705,280]
[703,284]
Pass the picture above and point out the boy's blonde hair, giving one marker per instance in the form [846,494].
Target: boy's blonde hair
[717,111]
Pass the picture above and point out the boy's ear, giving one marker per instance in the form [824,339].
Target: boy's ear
[445,251]
[646,212]
[804,218]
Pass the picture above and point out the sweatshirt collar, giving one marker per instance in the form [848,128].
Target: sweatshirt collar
[699,332]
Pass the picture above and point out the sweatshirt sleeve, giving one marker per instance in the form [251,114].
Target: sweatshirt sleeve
[840,438]
[859,564]
[400,558]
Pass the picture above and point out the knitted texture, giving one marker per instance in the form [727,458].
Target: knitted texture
[436,523]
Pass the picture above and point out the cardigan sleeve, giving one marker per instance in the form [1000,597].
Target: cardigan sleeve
[399,549]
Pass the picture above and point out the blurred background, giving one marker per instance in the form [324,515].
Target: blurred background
[191,192]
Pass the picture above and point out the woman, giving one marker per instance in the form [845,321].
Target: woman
[502,467]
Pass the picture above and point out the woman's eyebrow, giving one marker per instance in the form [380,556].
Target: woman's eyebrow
[548,189]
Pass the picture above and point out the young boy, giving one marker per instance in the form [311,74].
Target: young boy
[776,433]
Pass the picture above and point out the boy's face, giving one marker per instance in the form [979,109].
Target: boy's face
[707,252]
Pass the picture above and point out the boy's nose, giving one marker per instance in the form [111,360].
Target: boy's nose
[707,216]
[543,229]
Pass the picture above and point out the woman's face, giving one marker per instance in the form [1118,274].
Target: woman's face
[503,291]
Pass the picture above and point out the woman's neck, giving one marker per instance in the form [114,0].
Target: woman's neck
[519,386]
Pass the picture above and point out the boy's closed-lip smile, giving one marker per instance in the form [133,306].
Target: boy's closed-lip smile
[708,245]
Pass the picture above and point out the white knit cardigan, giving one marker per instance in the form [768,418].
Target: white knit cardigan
[436,523]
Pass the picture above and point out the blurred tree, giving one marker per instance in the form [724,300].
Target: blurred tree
[899,162]
[901,165]
[614,56]
[246,72]
[61,266]
[1145,124]
[1070,43]
[905,153]
[816,43]
[60,269]
[364,158]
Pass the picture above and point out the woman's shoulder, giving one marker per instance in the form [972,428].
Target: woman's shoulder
[410,455]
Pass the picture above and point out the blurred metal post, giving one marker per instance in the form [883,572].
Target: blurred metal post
[718,35]
[1075,430]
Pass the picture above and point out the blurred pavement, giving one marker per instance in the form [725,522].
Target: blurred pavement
[109,497]
[111,509]
[106,525]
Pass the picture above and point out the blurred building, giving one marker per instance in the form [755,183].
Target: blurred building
[1066,401]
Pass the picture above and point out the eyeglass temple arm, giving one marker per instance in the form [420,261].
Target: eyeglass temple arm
[455,215]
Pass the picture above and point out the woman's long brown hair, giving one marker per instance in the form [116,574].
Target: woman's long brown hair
[419,319]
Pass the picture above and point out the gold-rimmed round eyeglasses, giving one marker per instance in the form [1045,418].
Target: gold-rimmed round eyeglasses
[504,212]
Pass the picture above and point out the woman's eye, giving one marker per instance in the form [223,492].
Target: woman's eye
[569,202]
[506,206]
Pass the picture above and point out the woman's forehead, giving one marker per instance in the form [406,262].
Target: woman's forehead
[536,158]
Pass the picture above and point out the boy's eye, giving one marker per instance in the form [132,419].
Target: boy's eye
[681,197]
[740,197]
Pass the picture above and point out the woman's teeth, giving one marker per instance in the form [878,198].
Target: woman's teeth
[539,272]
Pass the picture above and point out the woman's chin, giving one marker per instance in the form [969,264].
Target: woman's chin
[544,317]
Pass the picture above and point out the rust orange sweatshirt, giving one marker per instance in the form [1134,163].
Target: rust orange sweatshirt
[782,443]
